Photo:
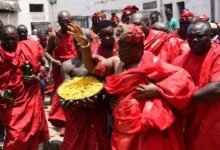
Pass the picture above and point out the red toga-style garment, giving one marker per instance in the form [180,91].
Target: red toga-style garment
[24,120]
[203,124]
[149,124]
[63,51]
[163,45]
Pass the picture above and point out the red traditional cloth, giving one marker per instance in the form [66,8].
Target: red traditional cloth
[86,129]
[100,51]
[129,10]
[183,44]
[115,19]
[163,45]
[149,124]
[202,17]
[98,16]
[186,16]
[24,120]
[203,130]
[64,50]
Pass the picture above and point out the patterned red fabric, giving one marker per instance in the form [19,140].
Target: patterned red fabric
[203,130]
[115,19]
[64,50]
[86,129]
[129,10]
[202,17]
[149,124]
[24,120]
[163,45]
[98,16]
[186,16]
[133,34]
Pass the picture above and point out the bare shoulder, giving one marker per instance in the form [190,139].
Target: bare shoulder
[67,66]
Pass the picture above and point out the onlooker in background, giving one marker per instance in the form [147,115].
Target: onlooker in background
[108,46]
[34,35]
[154,17]
[127,12]
[185,20]
[92,33]
[160,27]
[171,22]
[115,18]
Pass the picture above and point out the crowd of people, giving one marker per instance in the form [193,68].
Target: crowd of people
[161,83]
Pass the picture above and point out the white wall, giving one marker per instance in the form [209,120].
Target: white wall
[26,17]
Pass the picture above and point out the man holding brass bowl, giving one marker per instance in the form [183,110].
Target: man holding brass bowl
[81,96]
[146,87]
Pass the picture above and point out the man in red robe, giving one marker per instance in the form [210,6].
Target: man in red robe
[203,64]
[22,111]
[93,32]
[108,46]
[146,88]
[86,127]
[127,12]
[60,48]
[161,44]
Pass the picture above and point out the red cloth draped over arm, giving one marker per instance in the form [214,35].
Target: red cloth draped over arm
[133,116]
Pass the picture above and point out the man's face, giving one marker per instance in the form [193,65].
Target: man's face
[43,41]
[129,53]
[64,21]
[154,18]
[139,21]
[106,36]
[22,34]
[199,40]
[9,40]
[168,14]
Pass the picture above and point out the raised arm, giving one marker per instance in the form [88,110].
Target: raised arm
[87,57]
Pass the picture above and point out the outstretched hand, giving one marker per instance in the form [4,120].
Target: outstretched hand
[77,33]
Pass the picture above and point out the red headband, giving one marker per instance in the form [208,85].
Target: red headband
[98,16]
[202,17]
[186,16]
[129,10]
[133,34]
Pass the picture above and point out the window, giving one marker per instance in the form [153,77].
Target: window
[36,7]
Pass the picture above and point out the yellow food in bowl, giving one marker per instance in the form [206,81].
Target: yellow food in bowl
[79,88]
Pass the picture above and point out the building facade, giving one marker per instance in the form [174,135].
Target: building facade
[33,14]
[88,7]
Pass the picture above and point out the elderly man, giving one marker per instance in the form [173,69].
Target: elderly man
[60,48]
[142,86]
[21,106]
[203,64]
[161,44]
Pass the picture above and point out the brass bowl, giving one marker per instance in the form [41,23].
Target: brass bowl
[80,91]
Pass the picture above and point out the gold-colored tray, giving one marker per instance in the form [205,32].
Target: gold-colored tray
[79,88]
